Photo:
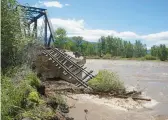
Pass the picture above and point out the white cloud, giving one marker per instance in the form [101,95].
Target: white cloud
[67,4]
[50,4]
[77,28]
[53,4]
[156,36]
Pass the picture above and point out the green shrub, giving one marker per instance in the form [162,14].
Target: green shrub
[33,80]
[12,95]
[14,92]
[10,72]
[57,102]
[150,57]
[106,81]
[92,57]
[41,112]
[58,99]
[107,56]
[6,95]
[34,97]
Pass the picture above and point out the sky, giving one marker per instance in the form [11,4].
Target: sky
[145,20]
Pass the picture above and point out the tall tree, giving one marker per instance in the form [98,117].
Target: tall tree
[12,42]
[60,38]
[70,45]
[84,47]
[139,49]
[109,44]
[163,52]
[129,50]
[102,43]
[78,41]
[155,51]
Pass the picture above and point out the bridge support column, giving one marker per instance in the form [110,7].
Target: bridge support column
[49,40]
[35,28]
[45,32]
[28,30]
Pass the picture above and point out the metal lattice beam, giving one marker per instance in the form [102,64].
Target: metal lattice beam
[31,15]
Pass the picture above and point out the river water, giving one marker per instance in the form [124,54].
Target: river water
[149,76]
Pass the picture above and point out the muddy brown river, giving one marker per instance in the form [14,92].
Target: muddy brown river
[149,76]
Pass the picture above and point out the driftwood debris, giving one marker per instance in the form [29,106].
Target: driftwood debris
[134,98]
[135,95]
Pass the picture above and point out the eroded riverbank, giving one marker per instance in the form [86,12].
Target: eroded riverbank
[110,108]
[151,77]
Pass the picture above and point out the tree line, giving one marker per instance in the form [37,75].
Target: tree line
[118,47]
[108,46]
[160,51]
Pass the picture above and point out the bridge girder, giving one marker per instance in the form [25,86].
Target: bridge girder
[32,14]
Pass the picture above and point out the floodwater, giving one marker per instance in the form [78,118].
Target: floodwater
[149,76]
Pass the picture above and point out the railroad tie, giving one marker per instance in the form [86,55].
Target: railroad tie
[56,54]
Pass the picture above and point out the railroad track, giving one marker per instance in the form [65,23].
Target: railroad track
[62,60]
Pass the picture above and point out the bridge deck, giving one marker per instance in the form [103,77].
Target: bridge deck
[60,59]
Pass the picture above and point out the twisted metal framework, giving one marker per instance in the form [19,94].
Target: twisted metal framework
[70,68]
[32,14]
[60,59]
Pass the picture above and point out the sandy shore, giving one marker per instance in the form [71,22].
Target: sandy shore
[110,109]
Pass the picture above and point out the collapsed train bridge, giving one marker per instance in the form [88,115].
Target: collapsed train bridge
[60,63]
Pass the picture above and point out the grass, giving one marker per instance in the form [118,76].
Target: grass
[93,57]
[34,97]
[109,57]
[106,81]
[15,90]
[12,96]
[41,112]
[58,99]
[150,57]
[33,80]
[20,98]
